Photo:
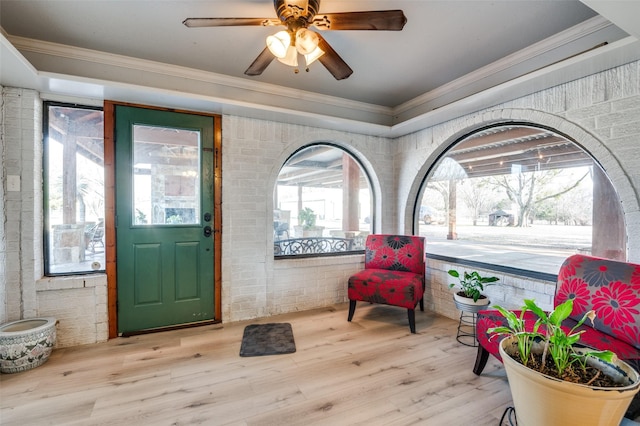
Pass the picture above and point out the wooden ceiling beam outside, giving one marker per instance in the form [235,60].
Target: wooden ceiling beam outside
[513,133]
[505,150]
[528,166]
[543,156]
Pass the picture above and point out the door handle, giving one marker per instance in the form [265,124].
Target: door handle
[207,231]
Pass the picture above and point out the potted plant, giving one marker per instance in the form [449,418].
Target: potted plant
[307,224]
[471,287]
[555,381]
[307,218]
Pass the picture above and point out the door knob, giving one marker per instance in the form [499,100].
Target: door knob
[207,231]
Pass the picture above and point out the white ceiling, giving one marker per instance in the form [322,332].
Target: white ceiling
[448,51]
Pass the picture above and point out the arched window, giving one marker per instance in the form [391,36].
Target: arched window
[322,203]
[519,196]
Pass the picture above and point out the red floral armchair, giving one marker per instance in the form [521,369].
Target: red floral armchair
[394,274]
[610,288]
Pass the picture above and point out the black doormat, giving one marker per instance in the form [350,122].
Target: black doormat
[267,339]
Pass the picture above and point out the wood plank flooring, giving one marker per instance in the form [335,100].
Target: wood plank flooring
[371,371]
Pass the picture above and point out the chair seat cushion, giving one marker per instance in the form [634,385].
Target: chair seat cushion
[591,337]
[396,288]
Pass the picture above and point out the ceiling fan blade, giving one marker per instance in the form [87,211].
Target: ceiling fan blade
[386,20]
[230,22]
[261,63]
[332,61]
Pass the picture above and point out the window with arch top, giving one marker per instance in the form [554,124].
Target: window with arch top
[322,203]
[519,196]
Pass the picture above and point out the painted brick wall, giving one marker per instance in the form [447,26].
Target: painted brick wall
[509,291]
[602,112]
[22,207]
[253,283]
[4,306]
[78,302]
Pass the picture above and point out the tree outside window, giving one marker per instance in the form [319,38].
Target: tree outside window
[521,196]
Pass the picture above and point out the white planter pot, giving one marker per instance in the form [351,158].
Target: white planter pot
[467,304]
[300,232]
[543,400]
[26,344]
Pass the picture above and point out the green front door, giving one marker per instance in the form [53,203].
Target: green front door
[164,209]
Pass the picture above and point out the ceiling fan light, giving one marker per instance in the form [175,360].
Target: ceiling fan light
[291,58]
[313,56]
[306,41]
[279,44]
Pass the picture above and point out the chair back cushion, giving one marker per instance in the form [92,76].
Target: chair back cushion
[395,253]
[610,288]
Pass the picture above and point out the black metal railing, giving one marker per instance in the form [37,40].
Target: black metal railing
[311,245]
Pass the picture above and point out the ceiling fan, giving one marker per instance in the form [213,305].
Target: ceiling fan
[297,16]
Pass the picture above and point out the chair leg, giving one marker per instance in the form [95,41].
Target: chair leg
[422,304]
[352,309]
[482,357]
[412,320]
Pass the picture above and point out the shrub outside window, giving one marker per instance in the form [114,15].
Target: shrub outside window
[73,189]
[519,196]
[322,203]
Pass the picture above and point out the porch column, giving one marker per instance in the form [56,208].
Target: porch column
[299,203]
[608,237]
[69,190]
[453,189]
[350,193]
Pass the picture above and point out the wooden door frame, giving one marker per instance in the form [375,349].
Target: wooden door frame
[110,210]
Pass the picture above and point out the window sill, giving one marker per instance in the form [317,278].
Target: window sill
[71,282]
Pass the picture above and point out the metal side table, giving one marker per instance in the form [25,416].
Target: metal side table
[467,325]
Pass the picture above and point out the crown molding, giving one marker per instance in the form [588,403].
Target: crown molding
[89,56]
[543,49]
[74,80]
[484,77]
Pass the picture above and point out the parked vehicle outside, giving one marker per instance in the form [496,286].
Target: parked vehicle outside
[429,215]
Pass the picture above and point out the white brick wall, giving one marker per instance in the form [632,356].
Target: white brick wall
[601,112]
[22,147]
[253,283]
[509,291]
[4,306]
[78,302]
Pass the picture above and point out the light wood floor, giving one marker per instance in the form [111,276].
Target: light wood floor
[371,371]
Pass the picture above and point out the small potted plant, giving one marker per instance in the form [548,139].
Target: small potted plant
[307,224]
[307,218]
[555,381]
[471,287]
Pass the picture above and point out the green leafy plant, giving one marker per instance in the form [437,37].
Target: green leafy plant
[557,343]
[516,327]
[307,218]
[471,283]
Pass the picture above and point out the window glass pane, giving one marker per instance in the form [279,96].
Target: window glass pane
[166,170]
[74,189]
[323,203]
[521,197]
